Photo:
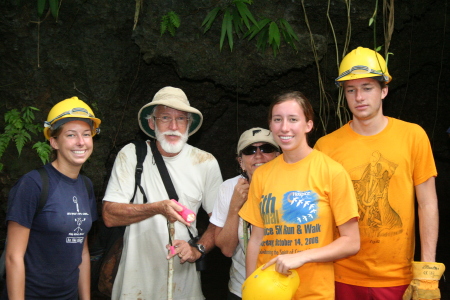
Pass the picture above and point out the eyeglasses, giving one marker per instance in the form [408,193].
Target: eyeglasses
[181,120]
[265,148]
[77,111]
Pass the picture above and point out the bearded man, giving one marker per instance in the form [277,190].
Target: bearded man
[196,176]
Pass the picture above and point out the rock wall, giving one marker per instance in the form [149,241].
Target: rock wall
[93,52]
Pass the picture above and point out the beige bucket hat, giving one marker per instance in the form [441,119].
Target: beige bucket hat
[174,98]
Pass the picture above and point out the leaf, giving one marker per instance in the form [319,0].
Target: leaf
[230,30]
[171,29]
[54,7]
[174,19]
[223,31]
[21,138]
[163,24]
[242,8]
[289,40]
[44,150]
[256,29]
[14,123]
[227,29]
[9,130]
[263,39]
[11,115]
[289,29]
[237,23]
[274,34]
[41,7]
[18,127]
[245,13]
[274,48]
[4,142]
[28,114]
[31,128]
[370,21]
[210,19]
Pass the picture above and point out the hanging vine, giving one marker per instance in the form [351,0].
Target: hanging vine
[388,24]
[324,110]
[342,113]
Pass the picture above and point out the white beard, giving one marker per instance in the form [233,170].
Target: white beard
[171,147]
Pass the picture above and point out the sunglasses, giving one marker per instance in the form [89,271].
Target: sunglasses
[266,148]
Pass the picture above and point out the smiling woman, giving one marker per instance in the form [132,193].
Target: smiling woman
[295,203]
[33,268]
[256,147]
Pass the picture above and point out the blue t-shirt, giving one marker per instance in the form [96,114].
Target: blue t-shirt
[57,234]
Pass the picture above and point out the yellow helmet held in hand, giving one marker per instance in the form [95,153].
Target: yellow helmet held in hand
[268,284]
[363,63]
[72,108]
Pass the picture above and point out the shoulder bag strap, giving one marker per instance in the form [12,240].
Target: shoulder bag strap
[165,177]
[163,171]
[44,191]
[141,152]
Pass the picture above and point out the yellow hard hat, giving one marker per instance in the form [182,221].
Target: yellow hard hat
[268,284]
[363,63]
[70,108]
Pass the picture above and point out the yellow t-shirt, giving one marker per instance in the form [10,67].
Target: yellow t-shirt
[384,169]
[299,206]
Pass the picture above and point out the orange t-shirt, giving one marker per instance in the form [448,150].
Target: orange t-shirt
[299,206]
[384,169]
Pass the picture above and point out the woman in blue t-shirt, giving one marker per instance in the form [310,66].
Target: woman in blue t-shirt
[47,254]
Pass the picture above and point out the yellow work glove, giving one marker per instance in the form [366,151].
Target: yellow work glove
[425,283]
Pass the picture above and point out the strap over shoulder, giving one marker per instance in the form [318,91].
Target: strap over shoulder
[141,153]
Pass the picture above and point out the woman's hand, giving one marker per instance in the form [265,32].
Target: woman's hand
[285,263]
[240,193]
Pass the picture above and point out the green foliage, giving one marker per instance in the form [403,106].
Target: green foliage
[170,22]
[53,5]
[18,128]
[269,34]
[43,149]
[236,20]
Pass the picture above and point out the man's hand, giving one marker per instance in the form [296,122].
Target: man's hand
[184,251]
[170,210]
[425,283]
[122,214]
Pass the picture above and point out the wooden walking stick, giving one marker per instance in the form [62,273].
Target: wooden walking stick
[170,277]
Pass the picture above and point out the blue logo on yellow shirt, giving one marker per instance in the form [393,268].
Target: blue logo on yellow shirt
[300,207]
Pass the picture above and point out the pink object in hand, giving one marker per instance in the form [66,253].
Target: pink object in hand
[172,250]
[187,214]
